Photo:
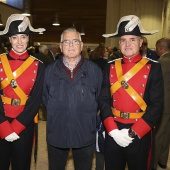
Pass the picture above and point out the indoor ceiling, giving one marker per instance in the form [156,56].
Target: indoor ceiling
[89,14]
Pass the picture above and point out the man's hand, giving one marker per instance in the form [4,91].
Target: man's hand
[12,137]
[121,137]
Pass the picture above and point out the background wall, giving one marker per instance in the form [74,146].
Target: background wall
[149,11]
[6,11]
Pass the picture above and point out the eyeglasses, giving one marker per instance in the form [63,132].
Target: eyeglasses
[74,42]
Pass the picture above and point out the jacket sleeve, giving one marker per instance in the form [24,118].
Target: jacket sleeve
[153,96]
[105,102]
[48,74]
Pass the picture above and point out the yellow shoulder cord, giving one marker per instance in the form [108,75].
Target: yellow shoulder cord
[17,72]
[11,79]
[122,81]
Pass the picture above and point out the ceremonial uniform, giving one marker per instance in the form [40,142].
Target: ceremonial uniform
[15,115]
[126,112]
[21,80]
[130,101]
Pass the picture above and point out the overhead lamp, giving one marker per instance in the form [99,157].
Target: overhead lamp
[56,21]
[26,11]
[0,21]
[82,31]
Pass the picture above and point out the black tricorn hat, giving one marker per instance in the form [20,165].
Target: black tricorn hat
[129,25]
[19,24]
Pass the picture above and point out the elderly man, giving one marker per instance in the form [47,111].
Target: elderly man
[71,89]
[131,100]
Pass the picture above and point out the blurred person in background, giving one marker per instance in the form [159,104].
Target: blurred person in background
[163,127]
[100,55]
[42,55]
[113,53]
[147,52]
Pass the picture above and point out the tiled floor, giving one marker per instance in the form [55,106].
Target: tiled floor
[42,161]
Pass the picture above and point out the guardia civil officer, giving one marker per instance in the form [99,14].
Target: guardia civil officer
[131,100]
[21,79]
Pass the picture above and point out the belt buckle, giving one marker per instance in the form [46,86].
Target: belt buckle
[15,102]
[13,83]
[125,115]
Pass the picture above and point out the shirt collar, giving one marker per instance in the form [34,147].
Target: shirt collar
[133,59]
[16,56]
[67,64]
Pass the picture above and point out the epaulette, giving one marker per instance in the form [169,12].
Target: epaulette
[3,54]
[151,59]
[114,60]
[36,58]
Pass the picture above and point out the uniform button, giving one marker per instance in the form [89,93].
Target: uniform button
[145,76]
[1,70]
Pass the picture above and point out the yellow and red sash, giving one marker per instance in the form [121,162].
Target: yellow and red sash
[13,93]
[122,81]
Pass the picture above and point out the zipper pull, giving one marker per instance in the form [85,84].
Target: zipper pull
[71,73]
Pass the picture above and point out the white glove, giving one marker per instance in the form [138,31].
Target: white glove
[12,137]
[121,137]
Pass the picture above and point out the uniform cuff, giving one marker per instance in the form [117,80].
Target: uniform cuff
[141,128]
[17,126]
[5,129]
[110,124]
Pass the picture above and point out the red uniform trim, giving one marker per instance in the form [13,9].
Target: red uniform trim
[17,126]
[5,129]
[141,128]
[110,124]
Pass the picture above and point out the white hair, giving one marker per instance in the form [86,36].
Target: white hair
[70,30]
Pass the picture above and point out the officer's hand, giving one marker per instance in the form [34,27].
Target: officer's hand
[121,137]
[12,137]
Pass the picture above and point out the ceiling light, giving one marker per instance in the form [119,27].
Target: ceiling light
[82,31]
[56,21]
